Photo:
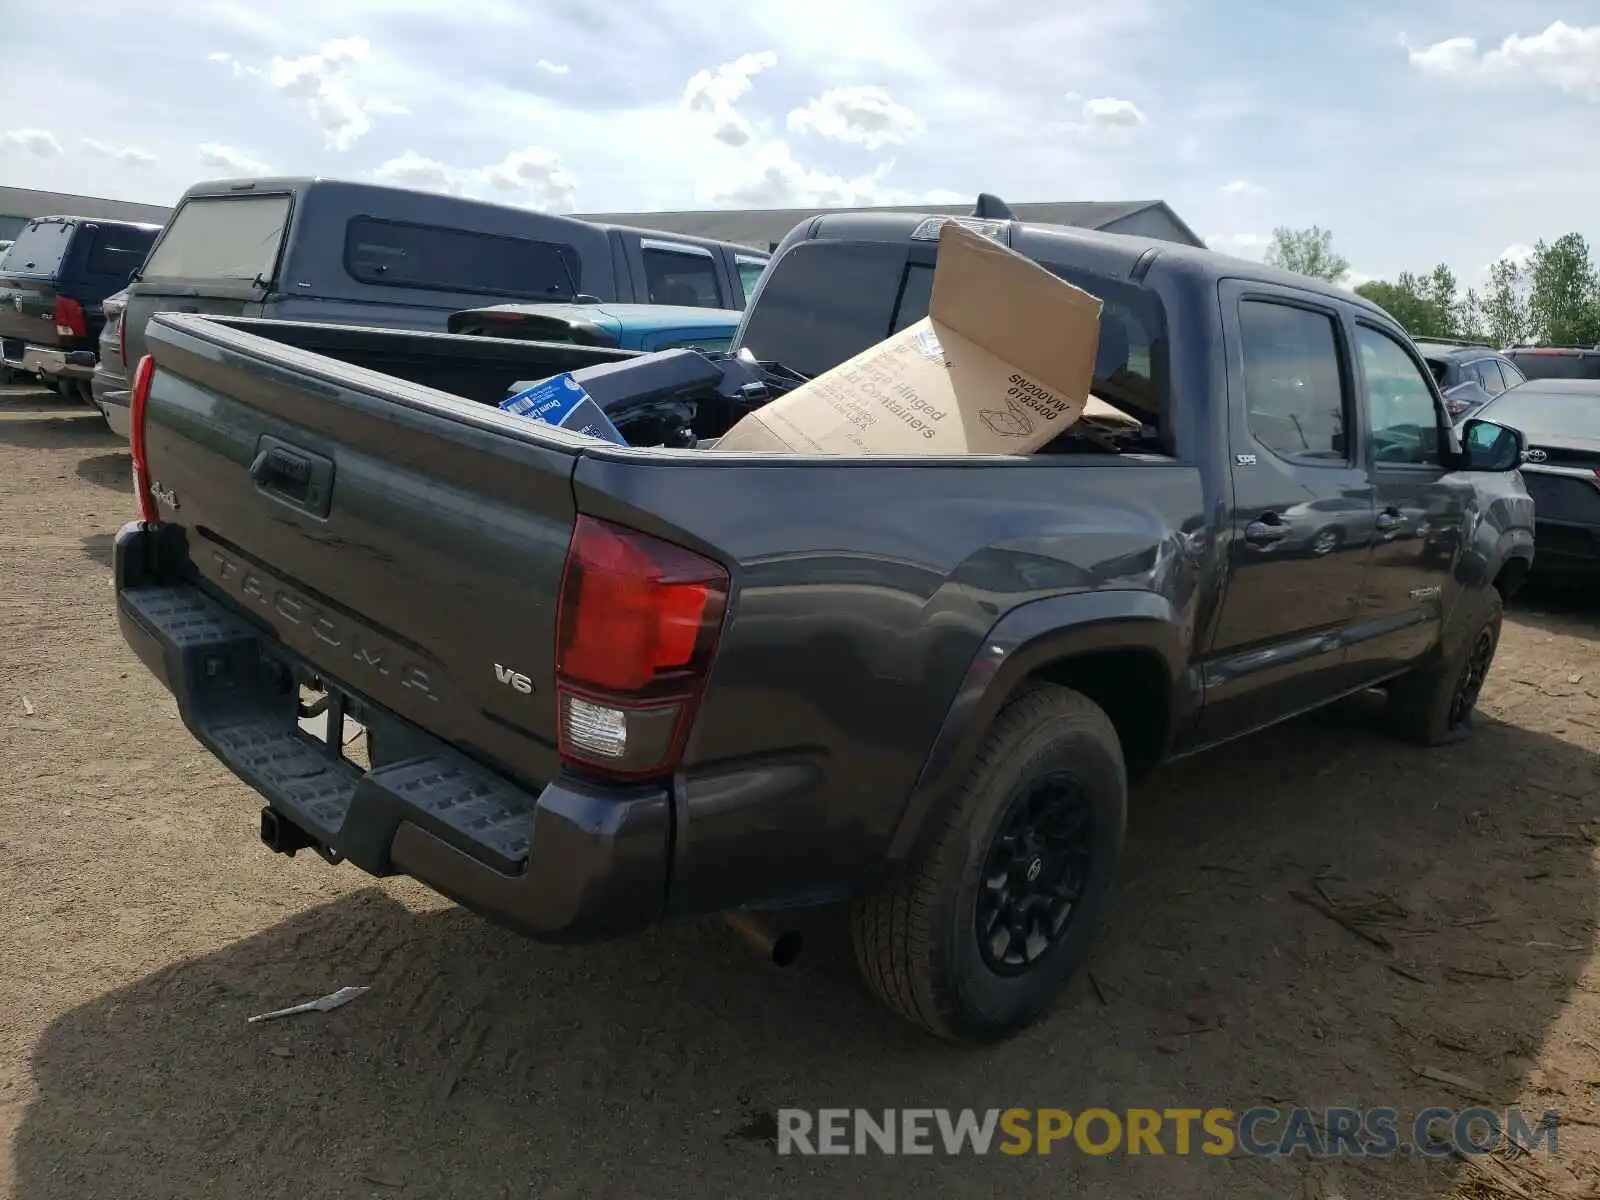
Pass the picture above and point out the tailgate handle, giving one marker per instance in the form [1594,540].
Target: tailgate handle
[296,477]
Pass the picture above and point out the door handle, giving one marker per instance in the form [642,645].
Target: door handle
[1388,520]
[295,476]
[1266,532]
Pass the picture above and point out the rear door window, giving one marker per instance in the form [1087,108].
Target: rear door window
[221,238]
[1489,376]
[750,271]
[685,275]
[1511,375]
[116,250]
[1293,386]
[401,254]
[39,248]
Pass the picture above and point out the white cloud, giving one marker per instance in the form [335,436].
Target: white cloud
[1566,56]
[771,177]
[128,156]
[538,174]
[532,175]
[862,116]
[1243,188]
[326,83]
[1107,112]
[1240,245]
[544,64]
[35,141]
[226,158]
[413,170]
[1518,253]
[1453,56]
[713,93]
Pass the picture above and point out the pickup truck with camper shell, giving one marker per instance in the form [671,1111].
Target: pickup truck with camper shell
[333,251]
[54,281]
[606,685]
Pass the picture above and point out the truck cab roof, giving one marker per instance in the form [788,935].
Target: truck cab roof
[1113,253]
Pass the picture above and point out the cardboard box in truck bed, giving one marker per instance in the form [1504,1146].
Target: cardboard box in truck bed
[1001,364]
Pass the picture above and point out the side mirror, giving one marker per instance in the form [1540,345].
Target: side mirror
[1487,446]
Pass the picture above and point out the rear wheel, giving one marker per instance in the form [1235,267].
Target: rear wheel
[1435,706]
[49,384]
[976,941]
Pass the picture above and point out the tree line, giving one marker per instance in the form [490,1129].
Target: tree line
[1553,298]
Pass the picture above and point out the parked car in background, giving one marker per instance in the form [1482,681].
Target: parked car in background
[359,254]
[615,326]
[1561,420]
[1557,362]
[1470,374]
[53,282]
[109,384]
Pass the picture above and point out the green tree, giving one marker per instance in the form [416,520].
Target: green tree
[1405,302]
[1425,305]
[1505,305]
[1564,292]
[1307,252]
[1470,321]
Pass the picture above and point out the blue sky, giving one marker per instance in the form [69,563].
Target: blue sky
[1419,131]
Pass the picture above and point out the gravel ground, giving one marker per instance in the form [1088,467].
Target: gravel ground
[143,922]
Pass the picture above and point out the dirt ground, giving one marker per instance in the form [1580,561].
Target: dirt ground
[142,922]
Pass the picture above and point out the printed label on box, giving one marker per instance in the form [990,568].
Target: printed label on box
[561,401]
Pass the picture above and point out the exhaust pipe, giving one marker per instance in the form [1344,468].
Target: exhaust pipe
[779,947]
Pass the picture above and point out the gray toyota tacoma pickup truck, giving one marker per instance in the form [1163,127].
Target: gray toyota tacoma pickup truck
[607,685]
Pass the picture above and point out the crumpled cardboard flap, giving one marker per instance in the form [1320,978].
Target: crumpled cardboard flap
[1001,365]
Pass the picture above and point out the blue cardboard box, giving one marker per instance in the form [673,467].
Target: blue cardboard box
[561,400]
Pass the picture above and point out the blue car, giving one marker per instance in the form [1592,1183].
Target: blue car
[614,326]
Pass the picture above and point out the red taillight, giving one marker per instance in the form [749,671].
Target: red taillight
[636,627]
[137,404]
[70,321]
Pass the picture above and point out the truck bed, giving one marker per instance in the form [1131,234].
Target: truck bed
[413,567]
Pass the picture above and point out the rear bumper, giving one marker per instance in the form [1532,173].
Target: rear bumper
[51,362]
[572,861]
[112,397]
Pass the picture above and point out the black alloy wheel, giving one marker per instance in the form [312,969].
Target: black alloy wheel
[1035,874]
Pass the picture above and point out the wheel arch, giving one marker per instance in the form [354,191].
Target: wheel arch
[1126,650]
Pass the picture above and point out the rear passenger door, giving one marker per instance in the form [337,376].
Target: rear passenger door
[1421,508]
[1302,510]
[682,273]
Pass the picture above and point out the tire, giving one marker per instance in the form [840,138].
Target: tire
[50,385]
[1435,706]
[918,943]
[84,392]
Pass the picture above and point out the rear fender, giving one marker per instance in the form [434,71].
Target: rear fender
[1026,641]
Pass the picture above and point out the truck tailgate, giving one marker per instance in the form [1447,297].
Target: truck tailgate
[406,544]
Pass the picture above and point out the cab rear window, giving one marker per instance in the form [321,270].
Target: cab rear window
[221,238]
[39,248]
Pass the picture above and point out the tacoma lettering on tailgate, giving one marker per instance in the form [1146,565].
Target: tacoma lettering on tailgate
[293,613]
